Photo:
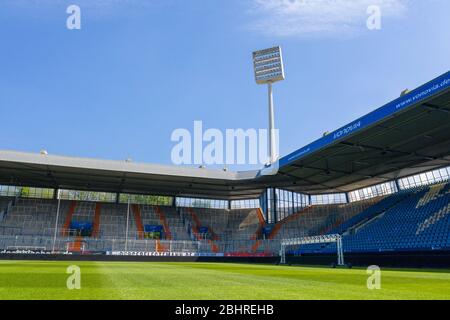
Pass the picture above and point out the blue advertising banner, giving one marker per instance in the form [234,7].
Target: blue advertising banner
[75,225]
[428,90]
[203,230]
[152,228]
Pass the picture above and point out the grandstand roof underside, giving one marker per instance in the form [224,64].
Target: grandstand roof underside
[410,135]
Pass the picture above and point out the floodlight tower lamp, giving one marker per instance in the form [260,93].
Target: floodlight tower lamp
[268,67]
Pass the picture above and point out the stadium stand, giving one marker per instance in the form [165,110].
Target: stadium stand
[418,219]
[31,224]
[409,220]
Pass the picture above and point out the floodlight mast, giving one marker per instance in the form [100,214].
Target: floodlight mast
[268,66]
[272,140]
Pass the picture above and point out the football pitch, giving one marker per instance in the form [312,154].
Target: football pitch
[216,281]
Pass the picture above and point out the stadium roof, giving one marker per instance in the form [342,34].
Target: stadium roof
[406,136]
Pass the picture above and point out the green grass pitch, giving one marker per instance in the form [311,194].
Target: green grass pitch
[172,281]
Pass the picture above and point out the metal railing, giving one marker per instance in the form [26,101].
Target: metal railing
[62,243]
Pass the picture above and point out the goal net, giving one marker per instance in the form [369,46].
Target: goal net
[333,238]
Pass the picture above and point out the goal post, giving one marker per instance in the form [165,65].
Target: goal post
[333,238]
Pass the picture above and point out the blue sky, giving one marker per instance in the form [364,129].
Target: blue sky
[138,69]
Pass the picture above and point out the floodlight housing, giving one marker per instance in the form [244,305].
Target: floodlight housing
[268,65]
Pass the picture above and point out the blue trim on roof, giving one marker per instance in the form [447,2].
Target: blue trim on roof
[428,90]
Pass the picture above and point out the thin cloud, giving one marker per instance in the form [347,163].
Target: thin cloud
[304,18]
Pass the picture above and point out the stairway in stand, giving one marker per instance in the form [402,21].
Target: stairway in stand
[138,219]
[96,226]
[66,227]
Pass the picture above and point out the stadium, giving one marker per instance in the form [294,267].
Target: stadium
[141,157]
[374,192]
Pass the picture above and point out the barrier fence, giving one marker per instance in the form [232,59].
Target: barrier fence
[86,245]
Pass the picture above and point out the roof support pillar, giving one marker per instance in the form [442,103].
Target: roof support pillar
[397,185]
[274,206]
